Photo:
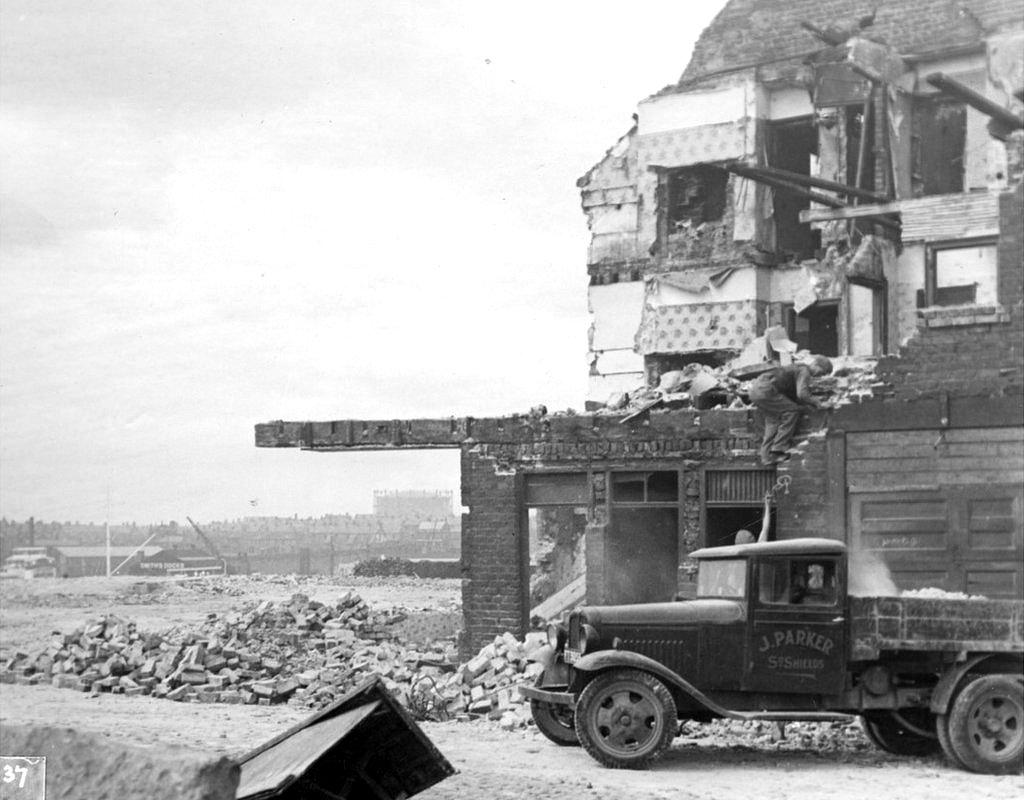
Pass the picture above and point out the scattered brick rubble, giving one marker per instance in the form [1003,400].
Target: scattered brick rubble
[701,386]
[301,651]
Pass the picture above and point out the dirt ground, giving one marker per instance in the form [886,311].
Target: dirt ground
[705,763]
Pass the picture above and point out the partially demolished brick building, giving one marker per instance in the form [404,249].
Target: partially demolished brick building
[851,175]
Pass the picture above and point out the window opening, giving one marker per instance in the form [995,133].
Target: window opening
[641,544]
[958,275]
[792,145]
[815,328]
[695,195]
[938,137]
[645,487]
[722,578]
[800,581]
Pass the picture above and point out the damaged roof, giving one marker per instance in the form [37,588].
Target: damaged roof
[750,32]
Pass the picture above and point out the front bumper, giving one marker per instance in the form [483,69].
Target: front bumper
[548,696]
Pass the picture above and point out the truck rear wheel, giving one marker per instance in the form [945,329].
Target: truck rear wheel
[942,729]
[901,732]
[556,722]
[626,718]
[986,725]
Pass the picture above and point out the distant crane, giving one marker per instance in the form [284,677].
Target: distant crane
[209,544]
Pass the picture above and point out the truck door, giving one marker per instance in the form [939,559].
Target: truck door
[797,632]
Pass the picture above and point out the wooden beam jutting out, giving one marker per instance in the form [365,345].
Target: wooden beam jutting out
[976,100]
[820,183]
[849,212]
[758,174]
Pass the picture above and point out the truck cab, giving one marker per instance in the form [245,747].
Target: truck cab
[793,635]
[773,635]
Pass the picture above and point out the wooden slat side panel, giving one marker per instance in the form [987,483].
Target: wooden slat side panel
[935,457]
[952,435]
[963,538]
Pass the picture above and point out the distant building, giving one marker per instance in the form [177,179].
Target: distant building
[76,561]
[413,505]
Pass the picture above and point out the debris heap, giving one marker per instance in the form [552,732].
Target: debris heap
[301,651]
[700,386]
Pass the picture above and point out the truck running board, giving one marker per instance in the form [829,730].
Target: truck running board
[789,716]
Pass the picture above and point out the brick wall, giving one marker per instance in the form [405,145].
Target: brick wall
[804,509]
[972,359]
[493,597]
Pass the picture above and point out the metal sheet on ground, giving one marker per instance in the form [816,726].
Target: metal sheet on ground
[274,768]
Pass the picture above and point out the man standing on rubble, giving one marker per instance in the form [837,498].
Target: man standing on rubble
[782,394]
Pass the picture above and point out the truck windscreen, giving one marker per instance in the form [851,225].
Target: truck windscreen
[726,577]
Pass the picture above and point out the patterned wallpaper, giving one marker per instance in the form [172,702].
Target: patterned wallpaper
[697,326]
[704,143]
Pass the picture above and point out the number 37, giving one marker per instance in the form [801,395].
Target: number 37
[12,774]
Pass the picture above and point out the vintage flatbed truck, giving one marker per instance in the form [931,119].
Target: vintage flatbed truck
[773,635]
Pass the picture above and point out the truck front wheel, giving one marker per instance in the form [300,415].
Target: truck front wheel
[626,718]
[986,725]
[555,722]
[901,732]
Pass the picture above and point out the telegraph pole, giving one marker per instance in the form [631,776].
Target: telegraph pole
[106,526]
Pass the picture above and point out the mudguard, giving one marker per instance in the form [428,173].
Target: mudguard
[615,659]
[942,694]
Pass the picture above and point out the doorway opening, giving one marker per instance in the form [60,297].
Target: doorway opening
[722,523]
[815,328]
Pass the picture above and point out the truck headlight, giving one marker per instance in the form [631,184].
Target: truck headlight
[557,635]
[588,638]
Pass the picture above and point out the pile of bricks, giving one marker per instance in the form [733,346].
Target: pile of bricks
[302,651]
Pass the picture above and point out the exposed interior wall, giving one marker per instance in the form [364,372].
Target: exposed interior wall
[786,283]
[970,71]
[909,280]
[615,316]
[611,204]
[788,102]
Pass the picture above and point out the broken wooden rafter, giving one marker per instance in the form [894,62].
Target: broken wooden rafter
[977,101]
[849,212]
[757,174]
[821,183]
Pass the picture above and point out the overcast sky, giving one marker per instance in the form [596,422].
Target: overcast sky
[219,214]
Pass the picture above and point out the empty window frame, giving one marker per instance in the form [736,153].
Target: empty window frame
[645,487]
[799,581]
[792,146]
[694,195]
[816,328]
[960,273]
[938,138]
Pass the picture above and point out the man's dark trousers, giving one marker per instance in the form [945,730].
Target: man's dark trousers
[781,416]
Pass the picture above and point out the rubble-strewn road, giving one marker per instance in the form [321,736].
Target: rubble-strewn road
[495,765]
[714,762]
